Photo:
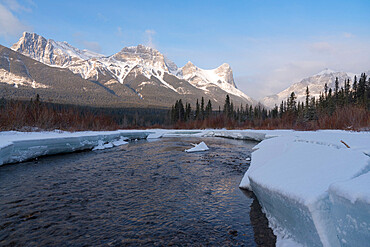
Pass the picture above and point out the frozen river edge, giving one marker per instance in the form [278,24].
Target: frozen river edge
[312,187]
[22,146]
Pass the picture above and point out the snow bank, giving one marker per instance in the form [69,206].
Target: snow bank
[198,148]
[237,134]
[21,146]
[291,175]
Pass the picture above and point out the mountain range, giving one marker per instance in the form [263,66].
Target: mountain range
[136,76]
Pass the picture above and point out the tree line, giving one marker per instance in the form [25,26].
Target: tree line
[345,107]
[338,103]
[37,114]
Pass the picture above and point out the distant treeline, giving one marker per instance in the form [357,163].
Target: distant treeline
[338,108]
[344,107]
[26,115]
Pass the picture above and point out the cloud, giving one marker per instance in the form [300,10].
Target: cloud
[102,17]
[92,46]
[119,32]
[348,35]
[270,66]
[321,47]
[10,25]
[13,5]
[89,45]
[150,36]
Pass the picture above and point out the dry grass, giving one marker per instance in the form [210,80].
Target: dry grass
[16,115]
[346,118]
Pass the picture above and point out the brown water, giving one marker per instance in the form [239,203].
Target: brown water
[143,193]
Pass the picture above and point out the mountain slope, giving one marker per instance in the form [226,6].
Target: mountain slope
[22,78]
[137,71]
[315,84]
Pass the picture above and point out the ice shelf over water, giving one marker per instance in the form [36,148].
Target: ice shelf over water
[314,190]
[20,146]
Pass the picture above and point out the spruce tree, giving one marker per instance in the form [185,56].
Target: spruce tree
[346,91]
[227,106]
[209,109]
[354,88]
[281,110]
[336,88]
[361,89]
[292,103]
[197,110]
[202,108]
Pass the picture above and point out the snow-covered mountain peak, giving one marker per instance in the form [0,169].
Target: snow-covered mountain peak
[140,50]
[149,58]
[189,64]
[188,69]
[221,77]
[224,66]
[51,52]
[326,71]
[225,71]
[315,84]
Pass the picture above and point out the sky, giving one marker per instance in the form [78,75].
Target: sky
[269,44]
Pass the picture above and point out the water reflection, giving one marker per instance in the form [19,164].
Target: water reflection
[263,235]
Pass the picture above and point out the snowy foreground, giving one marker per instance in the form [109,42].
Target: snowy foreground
[314,190]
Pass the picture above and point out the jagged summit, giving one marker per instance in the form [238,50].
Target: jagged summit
[51,52]
[326,71]
[220,75]
[140,49]
[147,57]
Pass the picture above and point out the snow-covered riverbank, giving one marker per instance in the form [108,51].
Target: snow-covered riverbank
[313,186]
[20,146]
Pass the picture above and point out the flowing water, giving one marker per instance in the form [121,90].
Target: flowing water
[148,193]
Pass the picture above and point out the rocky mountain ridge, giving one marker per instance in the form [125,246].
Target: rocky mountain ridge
[142,70]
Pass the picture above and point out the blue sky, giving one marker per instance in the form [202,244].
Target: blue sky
[269,44]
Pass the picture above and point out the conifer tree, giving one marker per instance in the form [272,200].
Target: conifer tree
[346,91]
[354,88]
[336,88]
[208,109]
[227,106]
[292,103]
[197,110]
[202,108]
[361,89]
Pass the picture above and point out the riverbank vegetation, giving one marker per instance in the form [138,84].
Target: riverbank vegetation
[36,114]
